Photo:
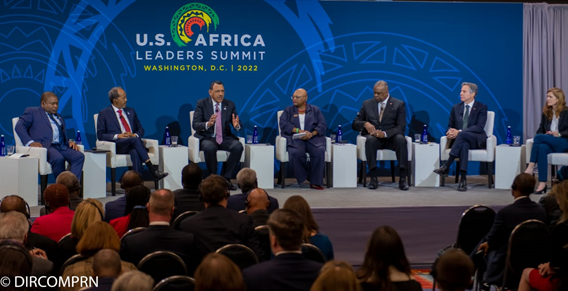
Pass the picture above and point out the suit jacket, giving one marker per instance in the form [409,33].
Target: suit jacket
[35,240]
[187,200]
[108,124]
[284,272]
[158,238]
[55,225]
[203,112]
[237,202]
[35,125]
[217,226]
[498,237]
[475,122]
[314,120]
[259,217]
[394,118]
[41,267]
[115,209]
[562,124]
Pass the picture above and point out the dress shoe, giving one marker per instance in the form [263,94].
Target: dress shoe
[442,171]
[159,175]
[402,184]
[462,186]
[374,184]
[231,186]
[317,187]
[541,191]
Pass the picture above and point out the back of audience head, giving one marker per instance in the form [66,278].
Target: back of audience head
[14,226]
[336,275]
[561,192]
[246,179]
[523,185]
[133,280]
[16,261]
[55,196]
[130,179]
[14,203]
[99,235]
[286,230]
[87,212]
[218,273]
[106,263]
[298,204]
[214,191]
[257,199]
[136,201]
[161,203]
[384,250]
[191,176]
[454,270]
[70,181]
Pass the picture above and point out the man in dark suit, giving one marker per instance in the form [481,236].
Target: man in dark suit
[120,124]
[246,179]
[288,270]
[495,245]
[217,226]
[159,236]
[212,122]
[44,127]
[257,205]
[187,199]
[382,120]
[466,130]
[115,209]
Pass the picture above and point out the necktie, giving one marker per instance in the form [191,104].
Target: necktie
[382,111]
[61,133]
[465,117]
[123,121]
[218,125]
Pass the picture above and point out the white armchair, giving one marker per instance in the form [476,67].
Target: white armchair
[44,166]
[197,156]
[554,159]
[486,155]
[115,160]
[382,155]
[282,155]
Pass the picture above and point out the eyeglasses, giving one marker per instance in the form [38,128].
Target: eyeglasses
[296,97]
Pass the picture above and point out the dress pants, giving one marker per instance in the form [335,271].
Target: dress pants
[461,146]
[545,144]
[298,162]
[396,143]
[209,146]
[57,155]
[134,146]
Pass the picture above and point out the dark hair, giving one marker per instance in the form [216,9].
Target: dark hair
[55,196]
[300,205]
[288,228]
[453,270]
[130,179]
[216,82]
[384,249]
[136,206]
[218,273]
[214,189]
[113,94]
[47,95]
[191,176]
[16,261]
[524,183]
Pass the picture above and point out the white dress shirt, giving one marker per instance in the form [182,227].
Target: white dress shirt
[120,122]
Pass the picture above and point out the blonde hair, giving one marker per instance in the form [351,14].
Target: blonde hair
[336,275]
[87,212]
[558,93]
[99,235]
[560,190]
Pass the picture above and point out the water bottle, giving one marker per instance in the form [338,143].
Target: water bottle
[424,137]
[339,134]
[78,139]
[2,146]
[255,136]
[168,139]
[509,139]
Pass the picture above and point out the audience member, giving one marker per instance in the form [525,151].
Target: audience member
[453,271]
[106,266]
[99,235]
[385,266]
[494,246]
[246,179]
[288,270]
[187,199]
[311,234]
[115,209]
[217,226]
[159,236]
[135,213]
[257,204]
[218,273]
[69,180]
[58,223]
[133,280]
[16,261]
[550,205]
[336,275]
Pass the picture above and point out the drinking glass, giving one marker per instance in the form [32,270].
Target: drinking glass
[249,138]
[174,141]
[333,137]
[11,149]
[516,140]
[417,137]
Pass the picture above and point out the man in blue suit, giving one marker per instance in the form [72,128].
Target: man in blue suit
[120,124]
[44,127]
[466,130]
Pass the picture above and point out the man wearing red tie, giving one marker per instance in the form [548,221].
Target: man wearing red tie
[120,124]
[212,122]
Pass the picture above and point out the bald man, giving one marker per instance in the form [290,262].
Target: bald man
[115,209]
[305,118]
[257,206]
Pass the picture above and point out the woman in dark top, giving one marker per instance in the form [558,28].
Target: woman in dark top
[551,136]
[386,267]
[135,213]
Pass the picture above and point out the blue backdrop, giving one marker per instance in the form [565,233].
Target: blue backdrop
[165,54]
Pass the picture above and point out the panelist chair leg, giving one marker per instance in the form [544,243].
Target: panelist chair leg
[328,174]
[364,172]
[392,171]
[156,184]
[282,174]
[113,181]
[489,175]
[43,185]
